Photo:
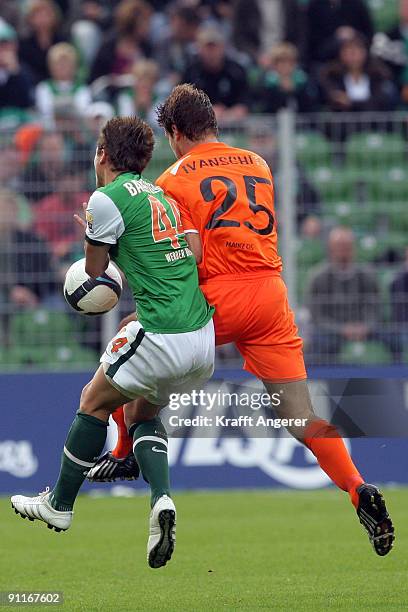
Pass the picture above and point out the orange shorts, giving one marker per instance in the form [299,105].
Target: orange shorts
[253,312]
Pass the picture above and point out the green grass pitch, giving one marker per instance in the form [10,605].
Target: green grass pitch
[235,551]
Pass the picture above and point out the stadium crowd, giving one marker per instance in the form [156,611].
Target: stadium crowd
[68,65]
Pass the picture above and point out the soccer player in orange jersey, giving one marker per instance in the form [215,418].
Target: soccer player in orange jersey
[226,200]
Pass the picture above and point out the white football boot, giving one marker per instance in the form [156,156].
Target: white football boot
[162,535]
[40,508]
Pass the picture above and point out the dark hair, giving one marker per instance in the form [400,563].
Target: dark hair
[130,13]
[187,13]
[128,142]
[189,110]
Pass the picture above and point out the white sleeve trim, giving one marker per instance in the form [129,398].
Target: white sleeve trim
[104,221]
[191,231]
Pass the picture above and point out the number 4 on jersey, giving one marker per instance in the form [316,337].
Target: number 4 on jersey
[162,226]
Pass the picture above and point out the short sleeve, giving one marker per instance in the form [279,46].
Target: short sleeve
[185,216]
[104,223]
[170,190]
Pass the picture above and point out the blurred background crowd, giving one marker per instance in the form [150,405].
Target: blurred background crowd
[66,66]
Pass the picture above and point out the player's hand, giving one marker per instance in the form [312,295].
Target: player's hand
[79,219]
[128,319]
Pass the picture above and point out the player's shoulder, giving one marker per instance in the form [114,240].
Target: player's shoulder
[172,171]
[255,158]
[101,196]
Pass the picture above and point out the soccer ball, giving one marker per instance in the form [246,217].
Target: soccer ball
[92,296]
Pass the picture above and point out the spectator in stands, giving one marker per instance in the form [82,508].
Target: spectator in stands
[356,81]
[246,21]
[47,165]
[43,21]
[15,82]
[399,306]
[284,84]
[97,114]
[176,50]
[343,298]
[10,11]
[143,98]
[26,273]
[397,50]
[221,77]
[64,87]
[53,217]
[11,164]
[129,41]
[324,20]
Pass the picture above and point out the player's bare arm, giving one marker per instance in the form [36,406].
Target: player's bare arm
[194,242]
[97,259]
[96,253]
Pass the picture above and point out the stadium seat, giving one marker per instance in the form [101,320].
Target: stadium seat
[334,184]
[73,357]
[372,248]
[365,353]
[234,139]
[389,191]
[61,357]
[373,151]
[352,213]
[313,150]
[384,14]
[40,327]
[369,248]
[46,339]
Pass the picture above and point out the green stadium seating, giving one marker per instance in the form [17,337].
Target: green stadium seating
[45,339]
[369,248]
[40,327]
[374,151]
[389,191]
[360,216]
[384,13]
[310,252]
[334,184]
[69,356]
[369,353]
[372,247]
[313,150]
[234,139]
[61,357]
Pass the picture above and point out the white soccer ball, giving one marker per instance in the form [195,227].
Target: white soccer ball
[92,296]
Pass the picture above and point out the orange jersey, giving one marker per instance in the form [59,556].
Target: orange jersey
[226,195]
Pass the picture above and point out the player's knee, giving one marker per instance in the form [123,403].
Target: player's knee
[88,402]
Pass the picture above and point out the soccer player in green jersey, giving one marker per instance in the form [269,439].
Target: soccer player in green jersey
[169,349]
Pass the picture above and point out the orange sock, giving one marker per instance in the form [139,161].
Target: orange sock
[330,451]
[124,444]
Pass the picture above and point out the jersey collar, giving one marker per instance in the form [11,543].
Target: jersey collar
[207,146]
